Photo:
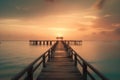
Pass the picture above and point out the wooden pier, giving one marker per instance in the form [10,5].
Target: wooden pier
[60,62]
[60,67]
[42,42]
[50,42]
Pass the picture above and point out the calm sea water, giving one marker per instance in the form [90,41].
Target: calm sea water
[16,55]
[103,55]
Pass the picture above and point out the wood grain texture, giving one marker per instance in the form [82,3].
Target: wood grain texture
[61,67]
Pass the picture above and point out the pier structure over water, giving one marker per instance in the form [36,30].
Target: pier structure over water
[50,42]
[73,42]
[42,42]
[60,62]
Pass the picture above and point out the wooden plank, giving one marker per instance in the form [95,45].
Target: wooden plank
[61,67]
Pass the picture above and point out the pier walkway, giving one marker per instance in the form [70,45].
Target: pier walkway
[60,62]
[60,67]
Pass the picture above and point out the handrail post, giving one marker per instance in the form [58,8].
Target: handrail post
[68,50]
[44,61]
[75,57]
[84,71]
[30,73]
[71,53]
[49,53]
[52,52]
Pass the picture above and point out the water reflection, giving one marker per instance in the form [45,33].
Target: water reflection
[16,55]
[104,55]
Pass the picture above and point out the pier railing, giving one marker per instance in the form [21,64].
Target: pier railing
[28,72]
[87,71]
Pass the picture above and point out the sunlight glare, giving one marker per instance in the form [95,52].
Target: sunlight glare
[59,35]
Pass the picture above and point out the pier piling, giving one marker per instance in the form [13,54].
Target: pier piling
[50,42]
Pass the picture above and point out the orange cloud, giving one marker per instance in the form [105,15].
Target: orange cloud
[91,17]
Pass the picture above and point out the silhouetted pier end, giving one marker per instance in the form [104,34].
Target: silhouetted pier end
[73,42]
[42,42]
[60,62]
[50,42]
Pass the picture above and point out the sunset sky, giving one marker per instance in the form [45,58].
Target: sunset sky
[72,19]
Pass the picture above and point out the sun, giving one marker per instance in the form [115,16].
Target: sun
[59,35]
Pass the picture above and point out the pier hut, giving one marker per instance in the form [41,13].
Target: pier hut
[59,38]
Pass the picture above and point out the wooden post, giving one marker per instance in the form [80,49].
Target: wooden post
[30,42]
[30,73]
[75,57]
[49,55]
[43,42]
[50,42]
[51,52]
[33,42]
[36,42]
[70,53]
[84,71]
[68,42]
[39,42]
[44,61]
[47,42]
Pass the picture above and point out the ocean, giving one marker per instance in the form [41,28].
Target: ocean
[16,55]
[103,55]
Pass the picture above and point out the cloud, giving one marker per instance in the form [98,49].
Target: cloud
[87,23]
[99,4]
[94,33]
[82,29]
[22,8]
[50,0]
[91,17]
[107,15]
[116,25]
[117,31]
[114,32]
[103,32]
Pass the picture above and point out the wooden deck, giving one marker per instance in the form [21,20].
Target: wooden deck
[61,67]
[60,63]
